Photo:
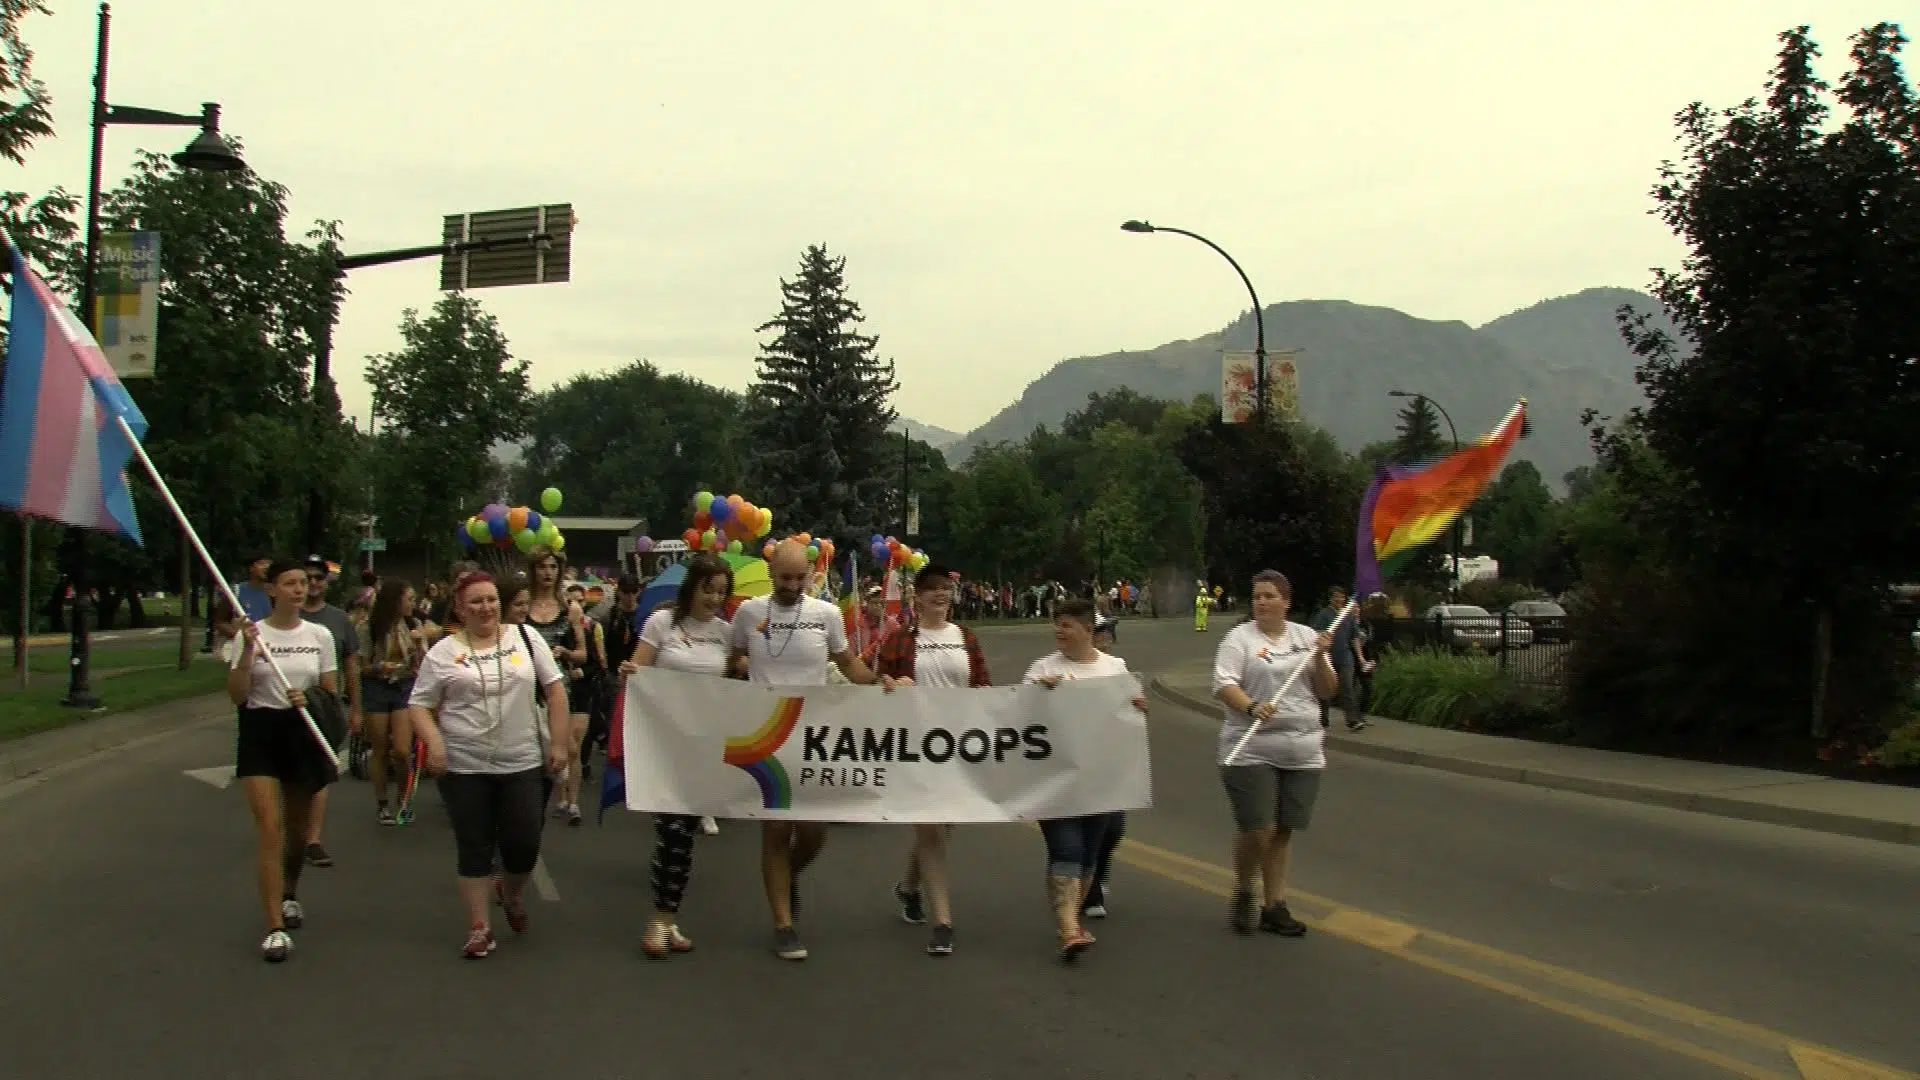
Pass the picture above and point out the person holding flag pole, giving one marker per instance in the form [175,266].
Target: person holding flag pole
[1272,768]
[68,430]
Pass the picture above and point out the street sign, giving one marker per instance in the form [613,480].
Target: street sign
[539,263]
[373,543]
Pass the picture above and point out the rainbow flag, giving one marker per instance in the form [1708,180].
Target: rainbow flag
[1409,506]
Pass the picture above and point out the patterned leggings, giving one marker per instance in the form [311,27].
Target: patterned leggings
[672,858]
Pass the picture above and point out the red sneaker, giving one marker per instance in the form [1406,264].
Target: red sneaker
[480,943]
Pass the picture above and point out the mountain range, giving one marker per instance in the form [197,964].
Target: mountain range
[1564,355]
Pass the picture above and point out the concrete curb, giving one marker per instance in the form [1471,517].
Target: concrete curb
[40,752]
[1717,805]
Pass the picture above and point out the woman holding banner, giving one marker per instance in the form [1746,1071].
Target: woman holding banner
[277,761]
[473,708]
[693,636]
[934,653]
[1074,844]
[1274,779]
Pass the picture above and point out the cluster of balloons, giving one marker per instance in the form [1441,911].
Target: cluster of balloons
[819,552]
[894,554]
[515,527]
[725,524]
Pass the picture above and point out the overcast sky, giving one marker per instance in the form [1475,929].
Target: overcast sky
[972,161]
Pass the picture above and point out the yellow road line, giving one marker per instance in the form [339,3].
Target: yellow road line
[1812,1062]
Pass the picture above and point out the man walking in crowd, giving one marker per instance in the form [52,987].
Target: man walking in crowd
[1344,658]
[255,604]
[788,639]
[346,649]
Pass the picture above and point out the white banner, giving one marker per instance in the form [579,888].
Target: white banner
[126,301]
[701,745]
[1237,376]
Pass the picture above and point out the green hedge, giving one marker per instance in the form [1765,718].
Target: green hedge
[1439,688]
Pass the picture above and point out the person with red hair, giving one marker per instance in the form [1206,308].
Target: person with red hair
[475,706]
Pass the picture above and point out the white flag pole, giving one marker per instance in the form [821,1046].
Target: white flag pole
[220,580]
[1254,725]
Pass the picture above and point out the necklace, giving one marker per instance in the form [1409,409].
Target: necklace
[793,627]
[496,720]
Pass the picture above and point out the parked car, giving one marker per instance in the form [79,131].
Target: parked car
[1546,619]
[1467,627]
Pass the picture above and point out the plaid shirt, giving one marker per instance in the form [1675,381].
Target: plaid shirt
[900,647]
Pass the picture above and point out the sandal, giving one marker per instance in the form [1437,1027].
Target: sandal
[1072,945]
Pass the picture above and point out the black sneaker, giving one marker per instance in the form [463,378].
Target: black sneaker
[787,944]
[1244,913]
[942,942]
[1278,920]
[1359,725]
[912,911]
[385,816]
[318,856]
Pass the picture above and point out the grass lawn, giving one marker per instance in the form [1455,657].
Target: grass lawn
[110,658]
[38,708]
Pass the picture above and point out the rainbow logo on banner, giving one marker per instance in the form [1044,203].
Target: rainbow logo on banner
[754,754]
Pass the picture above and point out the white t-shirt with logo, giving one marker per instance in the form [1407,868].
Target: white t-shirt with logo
[788,646]
[702,648]
[304,653]
[1056,663]
[940,658]
[1292,737]
[485,700]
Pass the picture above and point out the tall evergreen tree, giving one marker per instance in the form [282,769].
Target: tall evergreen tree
[821,407]
[1418,437]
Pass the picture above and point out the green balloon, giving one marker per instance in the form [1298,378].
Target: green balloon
[702,500]
[559,543]
[733,547]
[525,539]
[550,500]
[548,530]
[477,529]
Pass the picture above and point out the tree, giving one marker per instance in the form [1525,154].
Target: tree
[1269,504]
[1006,524]
[1116,536]
[819,429]
[1418,437]
[633,442]
[1788,423]
[1515,521]
[43,226]
[450,394]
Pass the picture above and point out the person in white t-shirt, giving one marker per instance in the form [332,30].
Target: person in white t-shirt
[1274,781]
[1074,844]
[788,639]
[692,636]
[934,653]
[277,761]
[475,707]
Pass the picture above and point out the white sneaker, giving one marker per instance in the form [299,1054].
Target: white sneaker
[709,826]
[277,947]
[292,914]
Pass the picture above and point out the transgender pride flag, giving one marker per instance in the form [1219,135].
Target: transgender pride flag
[62,454]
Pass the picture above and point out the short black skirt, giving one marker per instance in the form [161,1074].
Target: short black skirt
[276,743]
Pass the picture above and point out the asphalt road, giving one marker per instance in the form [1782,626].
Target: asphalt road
[1463,928]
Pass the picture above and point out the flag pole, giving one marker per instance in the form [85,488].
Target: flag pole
[1254,725]
[23,639]
[219,580]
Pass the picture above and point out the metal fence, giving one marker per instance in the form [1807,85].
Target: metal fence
[1532,650]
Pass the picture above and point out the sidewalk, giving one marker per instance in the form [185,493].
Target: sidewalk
[1849,808]
[26,757]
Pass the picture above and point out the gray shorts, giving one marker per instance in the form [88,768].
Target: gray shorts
[1263,795]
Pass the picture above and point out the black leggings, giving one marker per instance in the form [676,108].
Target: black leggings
[495,813]
[672,858]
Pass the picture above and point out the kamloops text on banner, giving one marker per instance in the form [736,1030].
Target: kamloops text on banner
[700,745]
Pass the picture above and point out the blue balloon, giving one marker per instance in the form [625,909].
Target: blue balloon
[534,519]
[466,538]
[497,526]
[876,538]
[720,511]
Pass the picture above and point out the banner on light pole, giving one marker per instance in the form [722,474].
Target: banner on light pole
[1237,376]
[127,301]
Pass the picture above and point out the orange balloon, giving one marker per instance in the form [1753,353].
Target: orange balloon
[766,552]
[516,519]
[805,539]
[692,537]
[734,501]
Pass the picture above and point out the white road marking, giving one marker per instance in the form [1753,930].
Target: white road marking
[543,882]
[220,776]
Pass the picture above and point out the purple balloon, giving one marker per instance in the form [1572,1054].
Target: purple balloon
[643,545]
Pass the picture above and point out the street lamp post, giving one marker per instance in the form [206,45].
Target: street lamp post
[1453,580]
[1259,318]
[324,396]
[208,152]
